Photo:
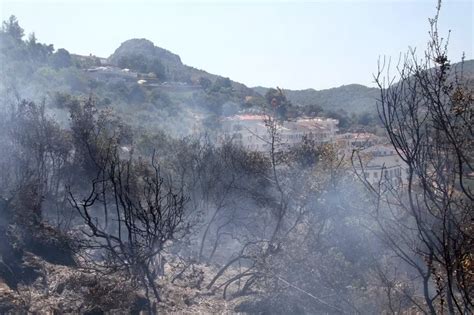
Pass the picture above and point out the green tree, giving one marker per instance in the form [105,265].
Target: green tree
[365,119]
[13,28]
[278,103]
[61,59]
[32,41]
[222,85]
[312,110]
[155,66]
[341,115]
[205,83]
[141,63]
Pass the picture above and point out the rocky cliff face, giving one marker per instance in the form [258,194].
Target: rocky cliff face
[146,48]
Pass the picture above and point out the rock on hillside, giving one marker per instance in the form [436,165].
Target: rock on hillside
[143,56]
[174,69]
[146,48]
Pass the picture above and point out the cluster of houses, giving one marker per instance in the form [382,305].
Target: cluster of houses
[251,131]
[112,73]
[375,160]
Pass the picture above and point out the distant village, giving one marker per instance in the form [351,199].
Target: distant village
[376,160]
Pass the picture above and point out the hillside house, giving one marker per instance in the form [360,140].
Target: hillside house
[250,131]
[381,164]
[347,142]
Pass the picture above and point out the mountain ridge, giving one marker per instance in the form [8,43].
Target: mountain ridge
[145,95]
[174,68]
[353,98]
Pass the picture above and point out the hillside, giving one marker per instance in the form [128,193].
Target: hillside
[353,98]
[154,90]
[148,85]
[173,69]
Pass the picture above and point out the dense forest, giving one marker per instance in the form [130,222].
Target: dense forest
[118,195]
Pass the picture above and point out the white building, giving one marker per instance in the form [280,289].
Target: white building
[381,164]
[251,132]
[347,142]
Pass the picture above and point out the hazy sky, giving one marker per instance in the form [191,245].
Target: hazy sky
[297,44]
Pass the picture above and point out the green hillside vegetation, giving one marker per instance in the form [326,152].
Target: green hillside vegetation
[353,98]
[154,90]
[354,105]
[170,95]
